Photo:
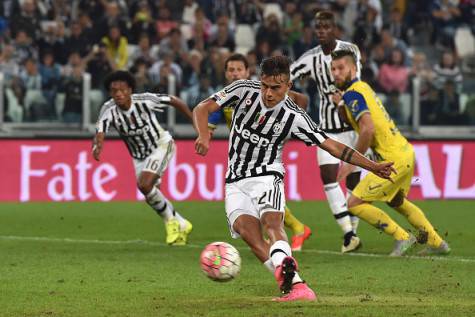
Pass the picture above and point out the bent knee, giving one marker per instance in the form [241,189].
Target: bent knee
[145,187]
[397,200]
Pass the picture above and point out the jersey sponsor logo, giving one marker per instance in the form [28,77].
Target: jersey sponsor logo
[140,131]
[252,137]
[220,95]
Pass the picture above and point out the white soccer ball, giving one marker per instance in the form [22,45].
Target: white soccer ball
[220,261]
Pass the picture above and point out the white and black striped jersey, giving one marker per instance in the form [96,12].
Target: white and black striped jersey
[138,126]
[316,65]
[258,133]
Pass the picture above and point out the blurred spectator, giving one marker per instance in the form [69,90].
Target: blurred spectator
[98,64]
[199,92]
[396,26]
[192,71]
[393,106]
[77,40]
[27,19]
[270,32]
[164,22]
[248,12]
[87,28]
[9,8]
[366,32]
[143,52]
[449,112]
[175,45]
[420,69]
[202,26]
[305,42]
[369,70]
[74,59]
[143,83]
[116,46]
[223,36]
[162,68]
[113,17]
[24,47]
[445,14]
[72,88]
[447,70]
[189,8]
[34,102]
[389,43]
[293,28]
[253,65]
[8,66]
[394,75]
[142,23]
[52,40]
[93,8]
[50,73]
[213,66]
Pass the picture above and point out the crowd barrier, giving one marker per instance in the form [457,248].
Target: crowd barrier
[64,170]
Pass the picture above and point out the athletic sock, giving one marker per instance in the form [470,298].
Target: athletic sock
[278,252]
[354,220]
[380,220]
[338,205]
[292,222]
[268,265]
[419,221]
[160,204]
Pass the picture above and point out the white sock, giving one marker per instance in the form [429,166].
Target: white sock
[337,203]
[279,251]
[160,204]
[354,220]
[296,278]
[268,264]
[181,220]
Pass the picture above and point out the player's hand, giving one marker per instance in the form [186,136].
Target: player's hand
[201,145]
[96,151]
[345,170]
[384,170]
[337,97]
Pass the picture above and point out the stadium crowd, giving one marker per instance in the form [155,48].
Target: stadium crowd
[47,46]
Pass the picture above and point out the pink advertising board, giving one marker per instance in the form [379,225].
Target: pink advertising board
[64,170]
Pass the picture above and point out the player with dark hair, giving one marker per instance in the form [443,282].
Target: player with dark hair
[315,63]
[236,67]
[264,118]
[151,147]
[376,130]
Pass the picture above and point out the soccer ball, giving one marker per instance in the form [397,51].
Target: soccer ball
[220,261]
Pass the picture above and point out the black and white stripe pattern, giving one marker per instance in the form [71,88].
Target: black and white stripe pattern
[138,126]
[258,133]
[316,65]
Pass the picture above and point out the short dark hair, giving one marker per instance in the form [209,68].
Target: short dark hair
[119,75]
[339,54]
[236,58]
[325,15]
[275,65]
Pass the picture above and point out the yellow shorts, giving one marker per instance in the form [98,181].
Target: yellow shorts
[374,188]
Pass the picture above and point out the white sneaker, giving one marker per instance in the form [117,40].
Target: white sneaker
[355,244]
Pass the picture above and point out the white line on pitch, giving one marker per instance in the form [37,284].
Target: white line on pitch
[160,244]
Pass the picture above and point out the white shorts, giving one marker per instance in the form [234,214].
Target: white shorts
[156,162]
[348,137]
[254,196]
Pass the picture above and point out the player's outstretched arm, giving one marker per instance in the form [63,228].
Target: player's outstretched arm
[200,119]
[349,155]
[179,104]
[97,145]
[300,99]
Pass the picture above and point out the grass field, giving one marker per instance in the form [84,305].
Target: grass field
[109,259]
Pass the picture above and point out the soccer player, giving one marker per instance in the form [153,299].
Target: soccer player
[315,63]
[151,147]
[236,67]
[376,130]
[264,118]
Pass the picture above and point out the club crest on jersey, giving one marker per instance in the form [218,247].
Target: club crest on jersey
[277,128]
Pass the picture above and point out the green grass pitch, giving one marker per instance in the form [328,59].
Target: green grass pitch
[110,259]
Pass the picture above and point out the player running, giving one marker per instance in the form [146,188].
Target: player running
[236,67]
[151,147]
[264,118]
[315,63]
[376,130]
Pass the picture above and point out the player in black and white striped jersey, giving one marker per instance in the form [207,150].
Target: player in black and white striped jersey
[264,118]
[316,64]
[151,146]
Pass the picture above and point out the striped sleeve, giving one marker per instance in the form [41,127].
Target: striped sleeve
[158,101]
[228,96]
[105,120]
[306,130]
[302,67]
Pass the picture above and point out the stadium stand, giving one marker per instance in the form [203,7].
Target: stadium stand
[48,47]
